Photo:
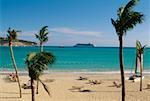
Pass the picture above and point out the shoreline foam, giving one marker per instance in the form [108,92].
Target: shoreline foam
[75,72]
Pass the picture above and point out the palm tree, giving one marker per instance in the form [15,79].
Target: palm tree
[12,35]
[140,51]
[42,37]
[127,19]
[37,63]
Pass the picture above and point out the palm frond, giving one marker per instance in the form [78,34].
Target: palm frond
[133,19]
[9,30]
[113,22]
[30,56]
[45,87]
[37,63]
[45,39]
[127,18]
[12,33]
[49,57]
[129,6]
[117,26]
[142,49]
[37,36]
[139,47]
[144,46]
[44,28]
[42,34]
[120,11]
[45,34]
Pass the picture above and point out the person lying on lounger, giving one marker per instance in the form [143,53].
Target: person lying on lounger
[116,84]
[12,77]
[27,85]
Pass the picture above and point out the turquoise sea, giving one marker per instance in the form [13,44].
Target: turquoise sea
[97,59]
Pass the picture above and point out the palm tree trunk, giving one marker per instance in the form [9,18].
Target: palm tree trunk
[41,47]
[141,70]
[37,87]
[32,90]
[121,66]
[136,63]
[15,67]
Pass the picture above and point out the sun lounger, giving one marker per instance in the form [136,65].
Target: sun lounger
[137,79]
[116,84]
[80,89]
[76,87]
[85,90]
[94,82]
[12,77]
[27,85]
[82,78]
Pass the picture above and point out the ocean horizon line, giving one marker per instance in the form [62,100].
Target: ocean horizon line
[65,46]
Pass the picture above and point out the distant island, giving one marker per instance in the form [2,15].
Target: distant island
[18,42]
[84,45]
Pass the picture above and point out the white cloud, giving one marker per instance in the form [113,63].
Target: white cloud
[63,30]
[28,33]
[74,31]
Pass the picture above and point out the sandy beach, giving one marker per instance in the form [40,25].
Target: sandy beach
[63,82]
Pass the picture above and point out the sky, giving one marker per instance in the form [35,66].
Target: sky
[72,21]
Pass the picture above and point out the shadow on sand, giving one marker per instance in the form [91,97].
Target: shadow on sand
[9,97]
[14,95]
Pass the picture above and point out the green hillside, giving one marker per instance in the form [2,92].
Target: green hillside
[19,42]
